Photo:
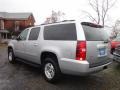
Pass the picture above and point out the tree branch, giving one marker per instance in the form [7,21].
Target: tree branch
[90,16]
[101,9]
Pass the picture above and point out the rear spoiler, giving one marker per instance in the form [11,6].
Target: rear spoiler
[92,25]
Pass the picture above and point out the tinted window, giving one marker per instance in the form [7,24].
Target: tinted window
[34,33]
[60,32]
[117,38]
[95,34]
[23,35]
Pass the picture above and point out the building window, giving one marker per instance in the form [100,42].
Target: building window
[30,23]
[1,24]
[16,25]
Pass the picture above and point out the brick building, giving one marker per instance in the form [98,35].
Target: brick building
[14,22]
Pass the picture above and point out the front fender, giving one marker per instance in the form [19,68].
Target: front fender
[11,44]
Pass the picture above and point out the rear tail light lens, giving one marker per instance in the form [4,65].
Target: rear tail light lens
[81,50]
[113,44]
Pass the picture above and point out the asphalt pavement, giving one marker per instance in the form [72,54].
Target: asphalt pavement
[20,76]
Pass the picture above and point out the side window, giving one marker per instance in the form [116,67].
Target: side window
[60,32]
[34,33]
[23,35]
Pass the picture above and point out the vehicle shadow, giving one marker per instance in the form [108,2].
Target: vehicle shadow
[66,82]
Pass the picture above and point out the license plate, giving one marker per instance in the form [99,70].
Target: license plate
[102,52]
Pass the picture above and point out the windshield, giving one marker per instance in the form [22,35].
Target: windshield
[95,34]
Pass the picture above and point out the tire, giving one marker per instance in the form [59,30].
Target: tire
[51,70]
[11,57]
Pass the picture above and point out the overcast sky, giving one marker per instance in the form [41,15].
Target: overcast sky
[42,8]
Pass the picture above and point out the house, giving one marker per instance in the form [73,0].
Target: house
[14,22]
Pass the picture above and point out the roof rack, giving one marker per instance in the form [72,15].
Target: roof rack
[67,20]
[48,23]
[56,22]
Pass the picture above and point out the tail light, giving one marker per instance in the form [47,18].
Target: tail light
[81,50]
[114,44]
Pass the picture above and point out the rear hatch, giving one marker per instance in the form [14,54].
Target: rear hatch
[97,45]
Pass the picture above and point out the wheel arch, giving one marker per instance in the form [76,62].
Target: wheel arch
[10,47]
[45,54]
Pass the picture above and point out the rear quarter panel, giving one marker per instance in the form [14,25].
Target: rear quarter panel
[63,49]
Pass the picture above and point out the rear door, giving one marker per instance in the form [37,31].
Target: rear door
[98,48]
[32,51]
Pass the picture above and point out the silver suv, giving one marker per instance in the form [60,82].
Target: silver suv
[68,47]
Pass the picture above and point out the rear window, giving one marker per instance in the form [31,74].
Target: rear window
[95,33]
[60,32]
[117,38]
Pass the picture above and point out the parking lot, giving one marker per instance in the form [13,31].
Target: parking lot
[20,76]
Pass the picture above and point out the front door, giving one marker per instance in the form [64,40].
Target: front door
[20,44]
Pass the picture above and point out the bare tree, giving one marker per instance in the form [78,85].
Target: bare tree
[101,8]
[55,17]
[116,29]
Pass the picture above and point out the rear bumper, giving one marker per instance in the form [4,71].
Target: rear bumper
[82,68]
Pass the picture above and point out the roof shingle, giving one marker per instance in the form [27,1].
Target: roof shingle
[20,16]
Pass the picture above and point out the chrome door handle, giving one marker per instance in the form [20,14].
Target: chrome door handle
[35,44]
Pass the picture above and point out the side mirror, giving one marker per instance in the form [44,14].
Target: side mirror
[14,37]
[18,38]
